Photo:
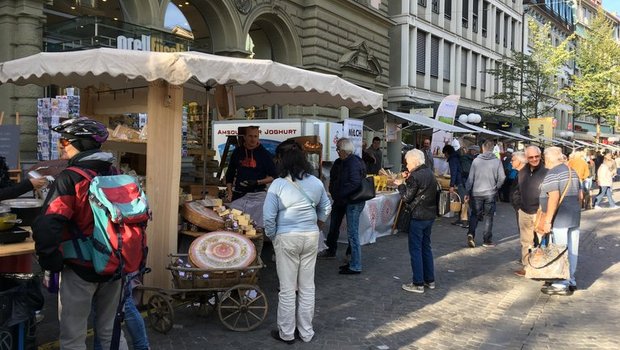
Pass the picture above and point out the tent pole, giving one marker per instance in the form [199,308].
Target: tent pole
[205,135]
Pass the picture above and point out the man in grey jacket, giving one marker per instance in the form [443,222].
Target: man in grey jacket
[485,178]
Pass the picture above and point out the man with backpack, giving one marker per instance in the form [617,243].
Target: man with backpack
[66,217]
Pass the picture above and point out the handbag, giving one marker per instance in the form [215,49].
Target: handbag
[365,192]
[548,263]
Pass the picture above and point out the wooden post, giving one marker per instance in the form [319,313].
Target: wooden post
[163,174]
[1,117]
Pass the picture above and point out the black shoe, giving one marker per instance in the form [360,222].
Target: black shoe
[275,334]
[457,223]
[465,225]
[345,266]
[348,271]
[572,288]
[326,254]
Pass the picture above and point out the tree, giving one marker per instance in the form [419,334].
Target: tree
[595,87]
[529,84]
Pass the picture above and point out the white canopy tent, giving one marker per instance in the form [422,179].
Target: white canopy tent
[515,135]
[256,82]
[420,119]
[480,130]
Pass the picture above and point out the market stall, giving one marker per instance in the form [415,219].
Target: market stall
[153,82]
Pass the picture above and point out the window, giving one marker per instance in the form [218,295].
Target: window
[512,35]
[435,6]
[505,31]
[465,13]
[485,18]
[447,47]
[447,9]
[421,53]
[497,26]
[464,67]
[483,74]
[474,70]
[422,3]
[474,19]
[434,56]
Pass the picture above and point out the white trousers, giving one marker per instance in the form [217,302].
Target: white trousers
[295,262]
[75,299]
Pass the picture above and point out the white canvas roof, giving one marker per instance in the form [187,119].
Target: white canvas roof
[257,82]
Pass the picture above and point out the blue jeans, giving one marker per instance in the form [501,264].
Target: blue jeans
[605,191]
[482,210]
[570,238]
[420,251]
[353,227]
[133,321]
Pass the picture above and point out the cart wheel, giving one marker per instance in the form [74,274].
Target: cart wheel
[6,340]
[160,313]
[243,307]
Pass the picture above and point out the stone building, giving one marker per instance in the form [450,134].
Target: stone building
[346,38]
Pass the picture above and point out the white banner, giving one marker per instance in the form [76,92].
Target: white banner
[445,113]
[354,130]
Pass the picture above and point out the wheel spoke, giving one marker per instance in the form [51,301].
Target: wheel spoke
[230,315]
[254,315]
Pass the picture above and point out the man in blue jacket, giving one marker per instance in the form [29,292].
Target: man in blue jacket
[345,179]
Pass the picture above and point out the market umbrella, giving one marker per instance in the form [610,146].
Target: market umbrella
[256,82]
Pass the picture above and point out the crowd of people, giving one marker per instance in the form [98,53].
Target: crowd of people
[297,205]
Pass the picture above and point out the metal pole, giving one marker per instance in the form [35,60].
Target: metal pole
[521,63]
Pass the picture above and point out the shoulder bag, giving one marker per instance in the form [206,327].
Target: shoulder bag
[301,190]
[365,192]
[548,262]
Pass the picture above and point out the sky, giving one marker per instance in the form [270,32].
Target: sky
[174,17]
[612,6]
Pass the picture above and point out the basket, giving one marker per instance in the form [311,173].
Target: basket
[455,202]
[194,278]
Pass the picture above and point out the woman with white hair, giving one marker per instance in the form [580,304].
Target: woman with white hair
[419,196]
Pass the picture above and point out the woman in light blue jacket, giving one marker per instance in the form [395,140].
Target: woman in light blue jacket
[295,206]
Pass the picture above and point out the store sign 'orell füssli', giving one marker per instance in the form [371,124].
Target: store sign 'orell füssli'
[147,43]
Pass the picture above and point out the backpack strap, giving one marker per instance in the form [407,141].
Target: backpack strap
[83,172]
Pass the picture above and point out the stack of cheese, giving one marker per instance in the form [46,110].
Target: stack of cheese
[237,221]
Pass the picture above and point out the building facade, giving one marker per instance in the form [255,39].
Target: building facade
[444,47]
[346,38]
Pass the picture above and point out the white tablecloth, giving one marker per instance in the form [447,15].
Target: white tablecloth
[376,219]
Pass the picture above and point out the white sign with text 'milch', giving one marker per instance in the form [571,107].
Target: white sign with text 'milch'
[354,130]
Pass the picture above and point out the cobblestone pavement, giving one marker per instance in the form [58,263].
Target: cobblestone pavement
[478,303]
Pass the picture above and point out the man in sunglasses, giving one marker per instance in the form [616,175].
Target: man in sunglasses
[67,214]
[529,180]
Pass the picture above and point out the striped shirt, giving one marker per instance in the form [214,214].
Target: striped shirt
[568,214]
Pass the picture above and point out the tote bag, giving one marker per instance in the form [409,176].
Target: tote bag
[365,192]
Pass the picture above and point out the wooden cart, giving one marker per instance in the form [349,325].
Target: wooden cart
[240,304]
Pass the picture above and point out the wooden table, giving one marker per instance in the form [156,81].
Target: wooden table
[12,249]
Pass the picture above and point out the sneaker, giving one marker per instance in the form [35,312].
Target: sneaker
[465,224]
[555,290]
[410,287]
[430,285]
[572,288]
[457,223]
[470,241]
[597,207]
[326,254]
[520,273]
[488,244]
